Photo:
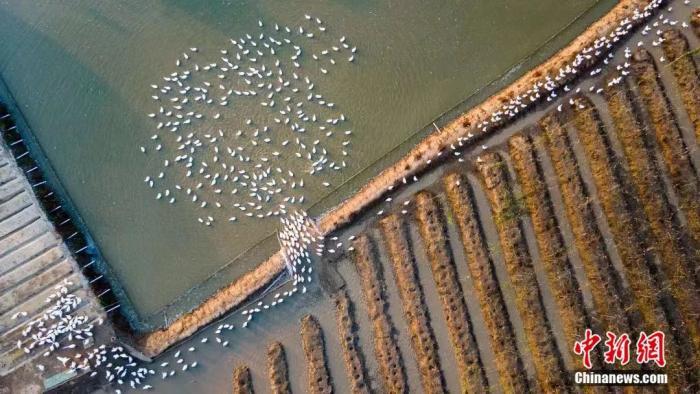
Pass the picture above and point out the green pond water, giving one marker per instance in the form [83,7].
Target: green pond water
[79,73]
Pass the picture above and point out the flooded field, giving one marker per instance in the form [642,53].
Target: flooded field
[79,74]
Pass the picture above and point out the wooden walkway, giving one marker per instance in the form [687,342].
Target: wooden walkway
[33,259]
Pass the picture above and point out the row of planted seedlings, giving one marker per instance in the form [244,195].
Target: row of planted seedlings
[277,370]
[63,222]
[386,351]
[349,341]
[415,310]
[313,344]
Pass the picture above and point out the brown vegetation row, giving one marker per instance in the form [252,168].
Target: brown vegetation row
[385,348]
[506,213]
[676,49]
[512,376]
[695,21]
[608,295]
[242,382]
[665,233]
[432,230]
[347,332]
[552,250]
[319,378]
[668,137]
[414,308]
[628,231]
[277,369]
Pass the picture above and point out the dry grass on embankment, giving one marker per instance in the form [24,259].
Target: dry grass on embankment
[225,299]
[277,369]
[512,376]
[676,49]
[552,250]
[549,368]
[347,333]
[432,231]
[386,351]
[606,289]
[414,308]
[318,376]
[242,382]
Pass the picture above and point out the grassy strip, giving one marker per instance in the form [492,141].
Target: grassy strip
[552,250]
[605,284]
[548,364]
[319,377]
[675,47]
[432,231]
[347,332]
[513,378]
[667,237]
[277,369]
[627,228]
[385,348]
[414,308]
[242,382]
[673,148]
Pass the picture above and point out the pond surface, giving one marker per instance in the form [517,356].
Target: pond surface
[80,74]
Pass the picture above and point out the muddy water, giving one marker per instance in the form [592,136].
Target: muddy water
[79,73]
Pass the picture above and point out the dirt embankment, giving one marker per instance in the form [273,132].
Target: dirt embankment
[676,49]
[512,376]
[552,250]
[277,369]
[604,281]
[386,350]
[242,382]
[414,308]
[668,138]
[318,375]
[347,332]
[506,211]
[432,230]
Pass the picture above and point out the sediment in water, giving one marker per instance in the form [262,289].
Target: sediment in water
[432,231]
[347,333]
[512,376]
[413,302]
[277,369]
[318,375]
[386,350]
[506,212]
